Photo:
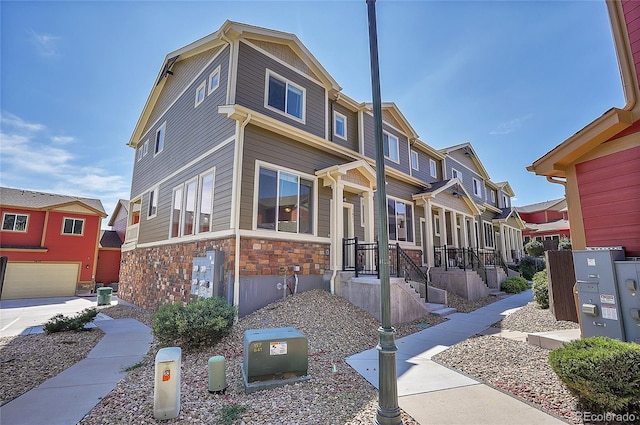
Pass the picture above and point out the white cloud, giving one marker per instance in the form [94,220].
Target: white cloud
[511,125]
[17,123]
[63,140]
[45,43]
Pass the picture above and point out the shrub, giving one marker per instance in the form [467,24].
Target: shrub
[514,285]
[603,373]
[60,323]
[564,244]
[197,324]
[534,248]
[530,265]
[541,289]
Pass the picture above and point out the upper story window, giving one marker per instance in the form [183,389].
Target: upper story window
[160,133]
[214,80]
[414,160]
[14,222]
[285,201]
[391,147]
[339,125]
[73,226]
[146,147]
[493,196]
[284,96]
[139,153]
[477,187]
[153,203]
[200,92]
[505,201]
[400,220]
[455,174]
[433,169]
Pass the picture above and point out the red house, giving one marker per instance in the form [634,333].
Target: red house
[51,242]
[600,164]
[109,252]
[547,220]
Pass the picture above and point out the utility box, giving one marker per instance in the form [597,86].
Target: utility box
[628,274]
[599,304]
[217,374]
[207,275]
[104,295]
[274,357]
[166,390]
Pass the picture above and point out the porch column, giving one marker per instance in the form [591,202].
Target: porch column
[428,213]
[503,244]
[465,233]
[454,229]
[368,216]
[443,227]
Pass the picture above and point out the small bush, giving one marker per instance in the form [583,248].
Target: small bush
[230,414]
[534,248]
[514,285]
[603,373]
[197,324]
[530,265]
[564,244]
[60,323]
[541,289]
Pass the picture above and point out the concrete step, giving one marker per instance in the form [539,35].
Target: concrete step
[443,312]
[495,293]
[553,339]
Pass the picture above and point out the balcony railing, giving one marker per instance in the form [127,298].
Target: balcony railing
[131,234]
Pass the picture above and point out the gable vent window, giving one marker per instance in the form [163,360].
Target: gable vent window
[284,96]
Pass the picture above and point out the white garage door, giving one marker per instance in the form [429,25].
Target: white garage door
[39,280]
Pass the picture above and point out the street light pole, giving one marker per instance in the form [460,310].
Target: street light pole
[388,412]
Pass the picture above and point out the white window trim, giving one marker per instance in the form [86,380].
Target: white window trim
[202,87]
[173,198]
[270,73]
[486,225]
[146,147]
[213,74]
[256,180]
[361,211]
[389,136]
[139,153]
[413,219]
[155,141]
[211,171]
[155,192]
[433,168]
[26,226]
[64,219]
[454,172]
[493,196]
[184,206]
[412,155]
[436,224]
[337,115]
[477,185]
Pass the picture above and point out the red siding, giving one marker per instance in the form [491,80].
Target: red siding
[33,235]
[108,269]
[631,9]
[610,196]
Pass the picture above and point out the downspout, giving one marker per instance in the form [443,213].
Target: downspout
[553,179]
[334,231]
[236,219]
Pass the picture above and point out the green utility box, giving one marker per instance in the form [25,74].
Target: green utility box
[104,295]
[274,357]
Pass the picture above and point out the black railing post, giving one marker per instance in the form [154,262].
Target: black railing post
[355,255]
[398,260]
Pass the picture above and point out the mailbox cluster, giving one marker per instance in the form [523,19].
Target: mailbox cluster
[207,275]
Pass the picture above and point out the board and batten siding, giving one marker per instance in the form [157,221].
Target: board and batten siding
[263,145]
[250,89]
[370,144]
[352,127]
[157,228]
[190,131]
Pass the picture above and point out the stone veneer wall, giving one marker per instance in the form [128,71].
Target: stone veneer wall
[151,277]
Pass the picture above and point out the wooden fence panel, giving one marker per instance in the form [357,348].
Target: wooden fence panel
[561,280]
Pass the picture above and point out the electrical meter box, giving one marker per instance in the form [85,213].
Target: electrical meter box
[207,275]
[599,302]
[274,357]
[628,274]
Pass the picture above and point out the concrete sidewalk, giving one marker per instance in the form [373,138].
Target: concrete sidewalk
[70,395]
[434,394]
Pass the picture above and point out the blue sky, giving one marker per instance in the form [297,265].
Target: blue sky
[514,78]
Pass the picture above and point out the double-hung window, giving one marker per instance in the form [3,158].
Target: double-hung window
[455,174]
[146,147]
[159,145]
[153,203]
[433,170]
[214,80]
[339,125]
[414,160]
[488,235]
[15,222]
[285,201]
[73,226]
[400,216]
[391,147]
[477,187]
[284,96]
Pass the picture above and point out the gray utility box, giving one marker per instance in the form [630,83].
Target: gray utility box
[207,275]
[274,357]
[628,274]
[598,299]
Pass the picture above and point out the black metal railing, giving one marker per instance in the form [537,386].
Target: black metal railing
[468,259]
[402,265]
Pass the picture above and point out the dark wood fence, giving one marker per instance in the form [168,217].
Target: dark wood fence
[561,280]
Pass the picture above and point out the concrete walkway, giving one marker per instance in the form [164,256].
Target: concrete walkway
[70,395]
[434,394]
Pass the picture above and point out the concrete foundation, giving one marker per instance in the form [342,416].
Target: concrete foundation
[465,283]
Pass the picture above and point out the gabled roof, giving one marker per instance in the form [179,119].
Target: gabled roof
[455,187]
[506,188]
[28,199]
[122,204]
[228,32]
[468,150]
[109,239]
[394,111]
[559,204]
[507,213]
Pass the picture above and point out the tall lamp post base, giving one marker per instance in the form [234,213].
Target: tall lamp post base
[388,412]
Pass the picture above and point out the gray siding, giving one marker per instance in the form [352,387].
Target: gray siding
[157,228]
[269,147]
[190,131]
[250,89]
[352,127]
[423,172]
[370,147]
[467,177]
[403,191]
